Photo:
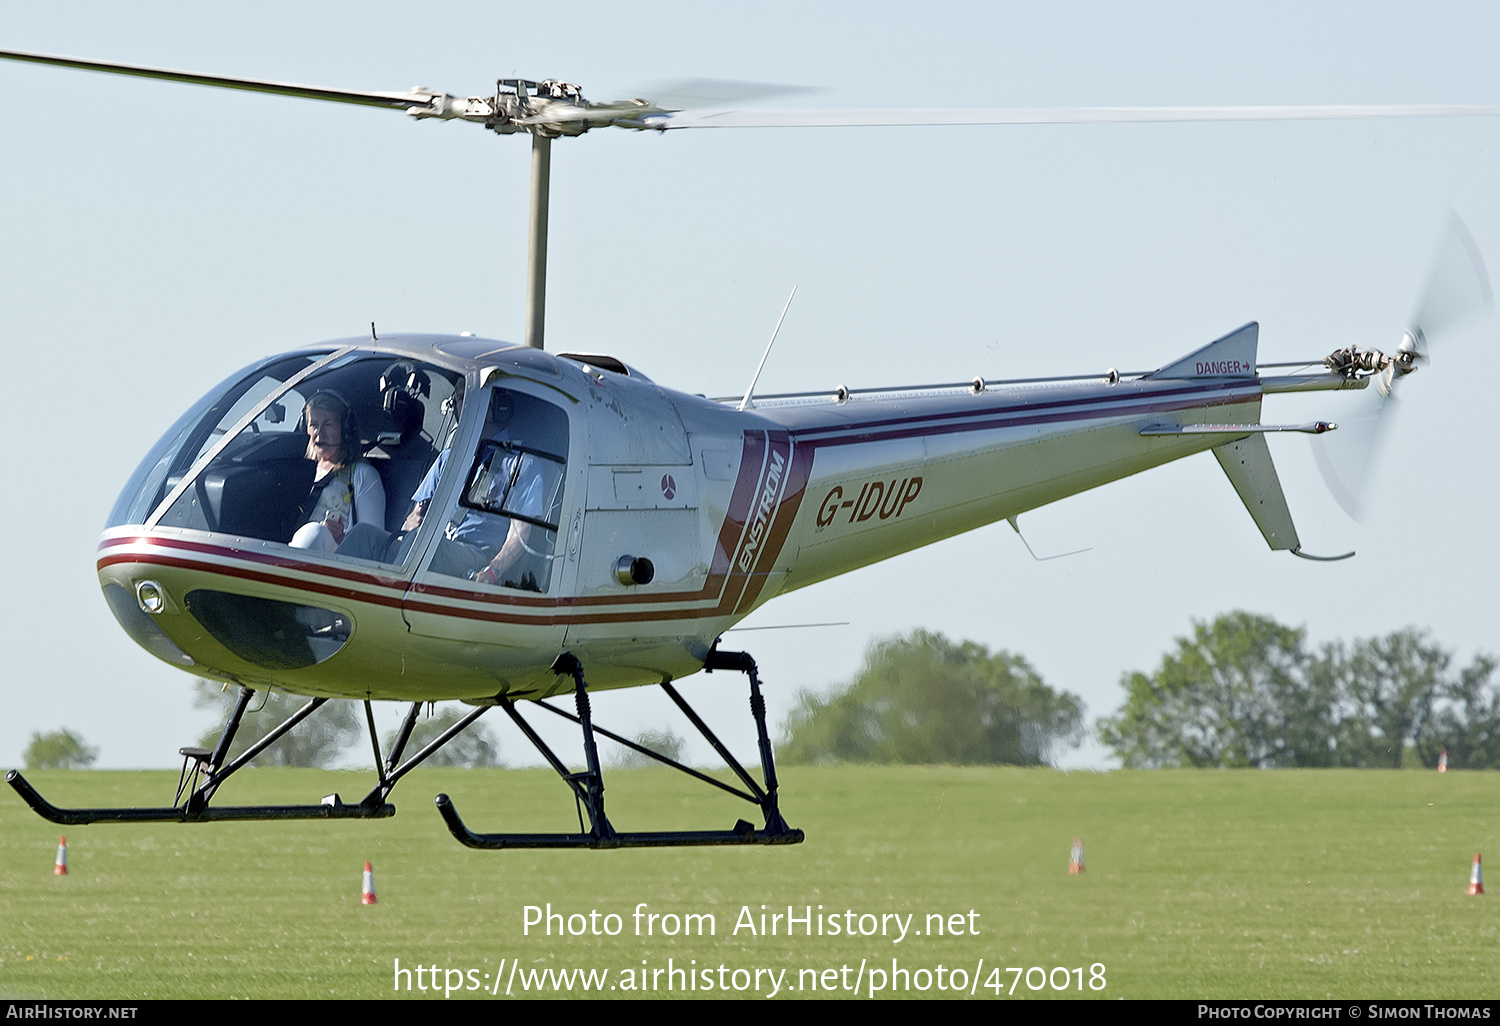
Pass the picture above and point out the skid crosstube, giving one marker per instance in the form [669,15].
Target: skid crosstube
[594,828]
[213,767]
[743,833]
[179,814]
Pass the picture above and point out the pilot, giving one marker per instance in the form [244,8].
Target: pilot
[477,545]
[346,490]
[484,546]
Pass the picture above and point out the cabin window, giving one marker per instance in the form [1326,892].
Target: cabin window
[503,529]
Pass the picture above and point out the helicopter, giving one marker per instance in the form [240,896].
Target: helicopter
[638,523]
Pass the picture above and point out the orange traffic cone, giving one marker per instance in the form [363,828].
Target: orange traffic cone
[60,867]
[1443,762]
[367,892]
[1476,877]
[1075,860]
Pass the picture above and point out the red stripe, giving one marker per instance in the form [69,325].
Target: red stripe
[794,486]
[748,484]
[926,426]
[155,559]
[496,616]
[250,556]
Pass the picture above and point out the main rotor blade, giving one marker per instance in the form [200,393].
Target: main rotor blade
[895,117]
[705,91]
[694,93]
[639,114]
[396,101]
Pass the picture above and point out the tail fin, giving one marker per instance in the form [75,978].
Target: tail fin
[1232,356]
[1247,464]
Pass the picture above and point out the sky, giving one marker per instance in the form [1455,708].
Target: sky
[157,237]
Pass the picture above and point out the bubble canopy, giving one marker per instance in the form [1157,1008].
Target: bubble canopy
[173,454]
[340,450]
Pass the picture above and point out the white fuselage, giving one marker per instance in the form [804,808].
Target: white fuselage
[731,507]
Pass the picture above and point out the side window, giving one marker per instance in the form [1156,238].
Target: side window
[503,530]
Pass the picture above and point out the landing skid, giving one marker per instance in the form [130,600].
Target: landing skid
[177,814]
[588,786]
[204,770]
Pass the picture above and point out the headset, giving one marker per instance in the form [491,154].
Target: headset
[403,386]
[327,398]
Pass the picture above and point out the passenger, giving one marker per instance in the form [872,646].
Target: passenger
[346,490]
[371,541]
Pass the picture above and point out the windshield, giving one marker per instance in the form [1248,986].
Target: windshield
[194,432]
[324,458]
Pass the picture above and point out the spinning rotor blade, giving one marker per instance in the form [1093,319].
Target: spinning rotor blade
[1347,458]
[694,93]
[1458,287]
[557,108]
[895,117]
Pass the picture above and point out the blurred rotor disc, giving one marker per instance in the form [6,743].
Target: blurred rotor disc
[1457,288]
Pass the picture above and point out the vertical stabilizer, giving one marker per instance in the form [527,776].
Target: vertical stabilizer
[1232,356]
[1249,467]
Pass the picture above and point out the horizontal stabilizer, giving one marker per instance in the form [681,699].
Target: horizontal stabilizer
[1232,356]
[1314,427]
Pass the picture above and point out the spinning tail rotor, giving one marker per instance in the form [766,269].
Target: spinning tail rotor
[1457,288]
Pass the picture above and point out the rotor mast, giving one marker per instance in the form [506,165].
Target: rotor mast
[536,250]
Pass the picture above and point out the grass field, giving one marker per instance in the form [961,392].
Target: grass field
[1350,884]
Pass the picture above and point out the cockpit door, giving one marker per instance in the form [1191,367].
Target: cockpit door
[492,575]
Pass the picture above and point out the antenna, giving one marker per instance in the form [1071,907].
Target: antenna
[1040,559]
[745,402]
[783,627]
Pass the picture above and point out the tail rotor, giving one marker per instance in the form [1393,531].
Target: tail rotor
[1457,288]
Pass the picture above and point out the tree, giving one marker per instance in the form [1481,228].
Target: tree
[318,740]
[1238,692]
[474,747]
[1245,691]
[1387,686]
[921,698]
[1466,721]
[62,749]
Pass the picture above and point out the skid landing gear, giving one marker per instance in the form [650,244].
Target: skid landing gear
[588,786]
[203,771]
